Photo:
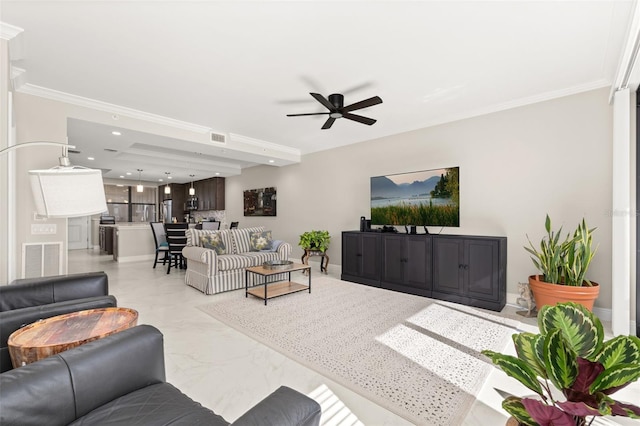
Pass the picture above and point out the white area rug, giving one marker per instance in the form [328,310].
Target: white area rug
[417,357]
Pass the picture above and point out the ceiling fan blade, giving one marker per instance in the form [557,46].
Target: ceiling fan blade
[360,119]
[328,123]
[363,104]
[328,105]
[311,113]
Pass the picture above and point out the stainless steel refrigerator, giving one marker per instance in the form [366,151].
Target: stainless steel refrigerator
[166,211]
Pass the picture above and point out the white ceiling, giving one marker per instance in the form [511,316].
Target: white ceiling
[239,67]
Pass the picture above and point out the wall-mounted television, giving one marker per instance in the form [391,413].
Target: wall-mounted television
[424,198]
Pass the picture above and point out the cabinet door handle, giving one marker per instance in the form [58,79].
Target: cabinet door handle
[460,266]
[359,254]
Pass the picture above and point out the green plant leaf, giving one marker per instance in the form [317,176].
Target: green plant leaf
[581,329]
[517,369]
[559,360]
[526,346]
[513,405]
[620,350]
[615,378]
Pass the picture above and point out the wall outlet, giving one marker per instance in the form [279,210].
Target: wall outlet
[43,228]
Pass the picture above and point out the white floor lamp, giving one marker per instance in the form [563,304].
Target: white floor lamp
[65,190]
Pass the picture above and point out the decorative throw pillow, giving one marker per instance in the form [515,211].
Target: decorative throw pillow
[213,242]
[260,240]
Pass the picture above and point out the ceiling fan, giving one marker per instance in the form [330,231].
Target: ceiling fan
[335,105]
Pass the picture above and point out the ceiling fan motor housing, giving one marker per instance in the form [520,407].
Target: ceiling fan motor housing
[337,100]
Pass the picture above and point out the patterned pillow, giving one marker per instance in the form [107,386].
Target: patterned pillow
[213,242]
[260,240]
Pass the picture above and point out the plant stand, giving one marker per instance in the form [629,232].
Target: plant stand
[324,260]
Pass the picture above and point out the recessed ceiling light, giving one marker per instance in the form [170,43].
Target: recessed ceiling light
[169,177]
[116,133]
[160,180]
[128,173]
[122,177]
[217,174]
[272,161]
[90,158]
[119,184]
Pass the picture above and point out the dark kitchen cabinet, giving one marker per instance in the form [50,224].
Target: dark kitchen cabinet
[210,193]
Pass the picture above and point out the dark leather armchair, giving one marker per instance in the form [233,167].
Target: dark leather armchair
[120,380]
[27,300]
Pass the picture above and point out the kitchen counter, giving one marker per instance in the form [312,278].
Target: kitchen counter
[133,242]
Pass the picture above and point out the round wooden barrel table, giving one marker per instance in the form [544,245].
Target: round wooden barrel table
[57,334]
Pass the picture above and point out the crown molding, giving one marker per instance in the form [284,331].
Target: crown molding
[628,59]
[263,145]
[547,96]
[31,89]
[8,31]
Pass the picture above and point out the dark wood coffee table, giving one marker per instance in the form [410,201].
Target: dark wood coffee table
[60,333]
[273,289]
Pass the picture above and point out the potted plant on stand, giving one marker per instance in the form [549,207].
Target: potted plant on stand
[316,243]
[563,265]
[315,240]
[571,355]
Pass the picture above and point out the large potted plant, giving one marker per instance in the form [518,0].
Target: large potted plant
[571,355]
[315,240]
[563,266]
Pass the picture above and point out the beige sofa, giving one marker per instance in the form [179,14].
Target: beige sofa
[213,273]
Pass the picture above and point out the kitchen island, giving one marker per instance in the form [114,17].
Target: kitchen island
[133,242]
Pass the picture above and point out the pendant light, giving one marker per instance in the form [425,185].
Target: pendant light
[167,188]
[192,190]
[139,187]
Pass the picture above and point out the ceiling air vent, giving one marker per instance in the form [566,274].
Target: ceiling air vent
[111,150]
[218,138]
[73,151]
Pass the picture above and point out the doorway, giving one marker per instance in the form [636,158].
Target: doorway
[78,232]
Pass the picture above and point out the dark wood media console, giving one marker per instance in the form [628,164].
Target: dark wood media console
[471,270]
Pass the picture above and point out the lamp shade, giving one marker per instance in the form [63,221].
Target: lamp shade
[68,192]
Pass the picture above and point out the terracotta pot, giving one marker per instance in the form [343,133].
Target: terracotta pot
[551,294]
[512,422]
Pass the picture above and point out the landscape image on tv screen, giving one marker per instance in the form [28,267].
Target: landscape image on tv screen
[425,198]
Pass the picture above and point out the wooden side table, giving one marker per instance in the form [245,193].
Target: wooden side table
[324,261]
[60,333]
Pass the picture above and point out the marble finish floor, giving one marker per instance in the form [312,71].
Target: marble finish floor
[229,372]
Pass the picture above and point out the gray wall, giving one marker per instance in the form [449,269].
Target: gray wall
[515,166]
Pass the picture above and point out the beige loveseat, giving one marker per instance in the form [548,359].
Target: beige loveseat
[213,273]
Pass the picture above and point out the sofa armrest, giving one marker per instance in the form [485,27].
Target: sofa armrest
[284,251]
[11,321]
[23,293]
[66,386]
[284,407]
[202,255]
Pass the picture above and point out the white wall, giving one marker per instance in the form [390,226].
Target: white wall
[4,159]
[515,166]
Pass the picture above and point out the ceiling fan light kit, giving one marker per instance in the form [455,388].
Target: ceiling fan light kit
[335,104]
